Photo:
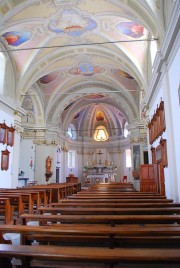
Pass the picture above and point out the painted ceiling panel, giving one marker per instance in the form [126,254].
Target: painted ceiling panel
[71,46]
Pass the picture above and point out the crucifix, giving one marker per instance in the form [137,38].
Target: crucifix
[99,153]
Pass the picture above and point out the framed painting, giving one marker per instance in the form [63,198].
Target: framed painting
[3,133]
[10,136]
[158,154]
[136,157]
[5,160]
[164,152]
[153,155]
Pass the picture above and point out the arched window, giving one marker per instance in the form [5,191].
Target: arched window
[128,158]
[2,72]
[71,132]
[126,132]
[153,51]
[71,159]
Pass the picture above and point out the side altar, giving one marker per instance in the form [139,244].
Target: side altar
[99,174]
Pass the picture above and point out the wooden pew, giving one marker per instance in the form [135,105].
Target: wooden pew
[6,210]
[113,196]
[111,185]
[116,200]
[116,195]
[47,191]
[15,201]
[54,194]
[71,188]
[57,191]
[110,211]
[83,229]
[106,236]
[100,219]
[31,200]
[115,205]
[39,196]
[44,255]
[117,192]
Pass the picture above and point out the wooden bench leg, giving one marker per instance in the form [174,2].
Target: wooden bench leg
[26,261]
[5,263]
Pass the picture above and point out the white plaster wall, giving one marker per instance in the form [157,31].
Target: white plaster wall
[174,84]
[168,91]
[27,150]
[40,168]
[126,171]
[15,167]
[64,168]
[41,152]
[6,176]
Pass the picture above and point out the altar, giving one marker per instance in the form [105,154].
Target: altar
[93,178]
[99,173]
[96,178]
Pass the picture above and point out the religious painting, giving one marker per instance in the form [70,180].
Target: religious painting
[10,136]
[99,116]
[124,74]
[27,103]
[136,157]
[3,133]
[71,23]
[158,154]
[164,158]
[86,69]
[48,78]
[5,160]
[132,29]
[16,38]
[95,96]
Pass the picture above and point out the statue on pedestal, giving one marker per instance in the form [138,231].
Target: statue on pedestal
[48,168]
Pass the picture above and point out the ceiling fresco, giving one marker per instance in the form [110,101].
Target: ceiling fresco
[78,53]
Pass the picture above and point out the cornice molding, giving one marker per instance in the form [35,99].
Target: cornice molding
[166,54]
[8,102]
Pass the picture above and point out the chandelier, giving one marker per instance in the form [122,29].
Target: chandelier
[101,134]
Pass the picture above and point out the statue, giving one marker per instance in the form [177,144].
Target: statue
[48,164]
[48,168]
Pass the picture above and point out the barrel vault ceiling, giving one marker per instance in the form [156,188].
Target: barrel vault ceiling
[75,58]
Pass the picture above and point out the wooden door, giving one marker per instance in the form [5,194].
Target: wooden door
[161,179]
[149,178]
[152,178]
